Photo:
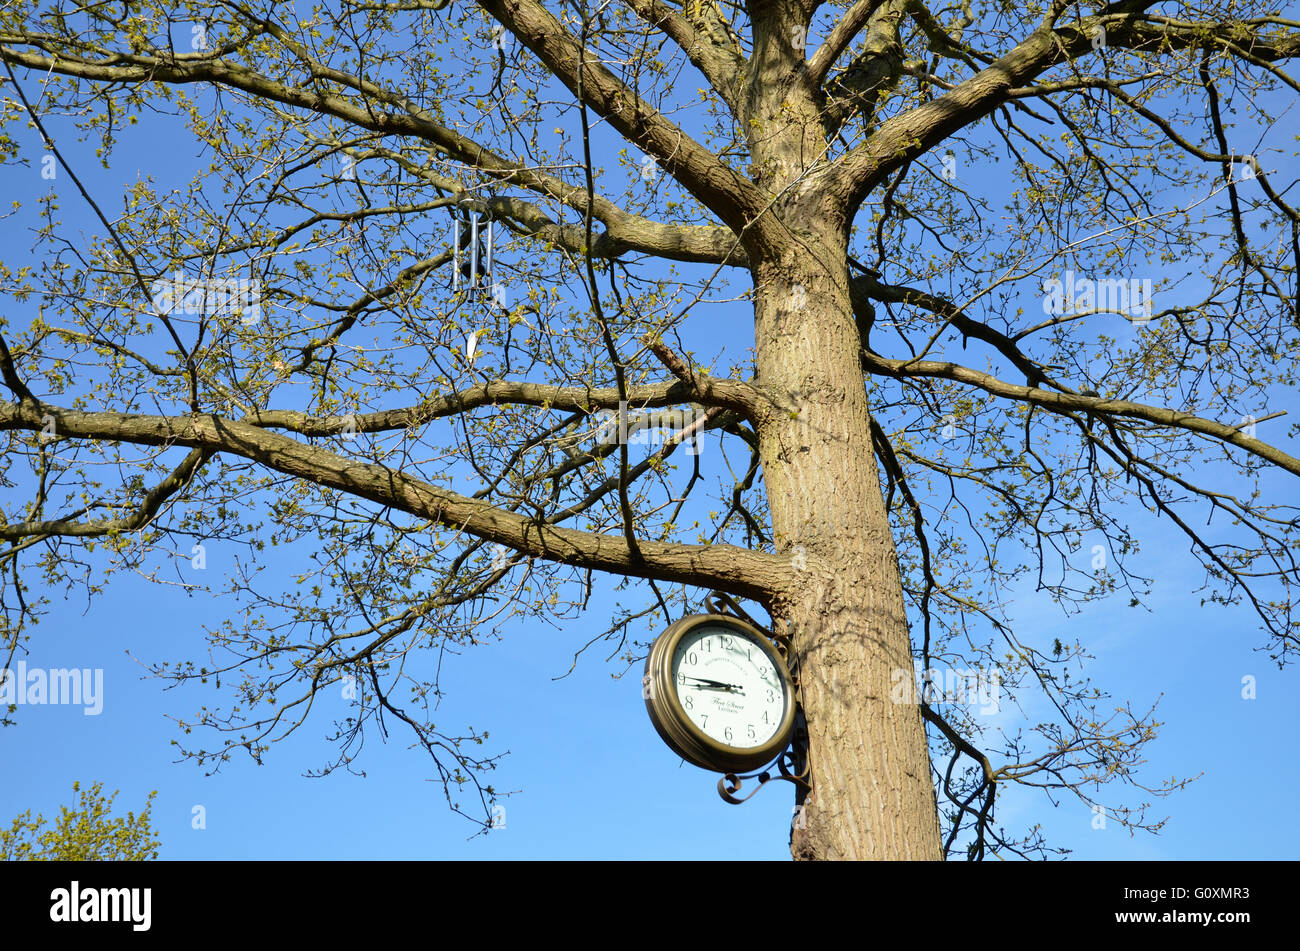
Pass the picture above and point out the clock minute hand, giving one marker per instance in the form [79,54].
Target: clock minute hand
[715,684]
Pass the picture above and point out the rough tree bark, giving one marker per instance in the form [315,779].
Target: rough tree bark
[842,607]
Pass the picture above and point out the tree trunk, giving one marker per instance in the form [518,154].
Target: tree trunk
[872,795]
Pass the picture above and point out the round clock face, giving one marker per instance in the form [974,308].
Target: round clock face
[729,686]
[719,694]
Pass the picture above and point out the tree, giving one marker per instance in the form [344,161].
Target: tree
[941,398]
[88,833]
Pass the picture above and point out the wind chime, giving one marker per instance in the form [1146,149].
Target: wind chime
[472,250]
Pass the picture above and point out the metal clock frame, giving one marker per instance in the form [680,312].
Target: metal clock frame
[678,730]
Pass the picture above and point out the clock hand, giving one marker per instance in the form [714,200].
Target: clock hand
[715,684]
[706,680]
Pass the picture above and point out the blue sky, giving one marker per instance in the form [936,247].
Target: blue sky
[593,779]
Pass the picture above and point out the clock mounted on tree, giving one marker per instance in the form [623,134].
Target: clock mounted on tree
[719,693]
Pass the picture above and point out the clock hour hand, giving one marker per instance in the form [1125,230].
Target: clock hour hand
[714,684]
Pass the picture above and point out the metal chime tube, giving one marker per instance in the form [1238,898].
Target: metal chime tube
[455,253]
[473,250]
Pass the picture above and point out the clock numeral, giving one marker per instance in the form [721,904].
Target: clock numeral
[750,728]
[707,643]
[704,720]
[765,719]
[726,641]
[692,658]
[771,697]
[689,702]
[726,734]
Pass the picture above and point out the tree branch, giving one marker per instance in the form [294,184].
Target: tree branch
[746,573]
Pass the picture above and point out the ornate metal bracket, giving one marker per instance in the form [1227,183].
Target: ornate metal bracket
[792,764]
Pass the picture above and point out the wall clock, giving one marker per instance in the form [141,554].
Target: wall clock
[719,693]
